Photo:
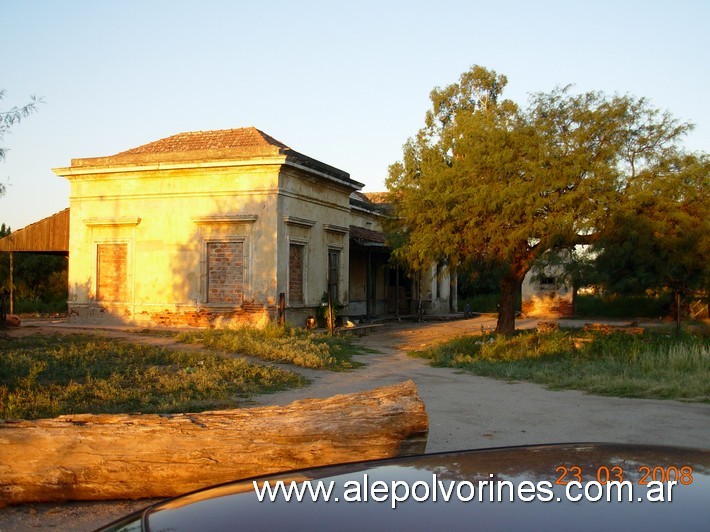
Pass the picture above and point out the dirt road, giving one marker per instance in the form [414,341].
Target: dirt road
[467,411]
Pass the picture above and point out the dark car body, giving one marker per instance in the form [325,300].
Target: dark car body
[466,489]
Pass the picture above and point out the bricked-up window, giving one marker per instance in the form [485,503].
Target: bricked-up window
[295,273]
[333,273]
[225,272]
[112,272]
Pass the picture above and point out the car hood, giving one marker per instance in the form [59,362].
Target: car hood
[501,488]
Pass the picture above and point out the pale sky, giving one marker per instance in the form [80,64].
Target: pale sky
[345,83]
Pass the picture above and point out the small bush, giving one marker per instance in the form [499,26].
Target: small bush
[37,306]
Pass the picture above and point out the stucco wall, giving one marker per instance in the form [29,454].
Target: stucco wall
[547,299]
[314,214]
[166,218]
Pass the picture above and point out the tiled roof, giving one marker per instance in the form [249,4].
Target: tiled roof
[222,139]
[197,147]
[365,201]
[378,197]
[363,235]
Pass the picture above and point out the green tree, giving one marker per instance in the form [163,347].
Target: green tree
[37,278]
[40,277]
[487,180]
[659,236]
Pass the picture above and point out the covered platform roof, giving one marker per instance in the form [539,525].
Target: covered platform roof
[367,237]
[50,235]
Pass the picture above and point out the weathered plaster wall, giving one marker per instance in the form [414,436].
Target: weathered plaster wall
[547,299]
[166,218]
[314,214]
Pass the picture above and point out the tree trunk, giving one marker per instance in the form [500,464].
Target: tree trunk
[100,457]
[509,291]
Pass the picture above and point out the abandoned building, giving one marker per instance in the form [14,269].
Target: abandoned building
[547,294]
[217,227]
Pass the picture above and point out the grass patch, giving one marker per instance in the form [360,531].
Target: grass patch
[43,376]
[281,344]
[650,366]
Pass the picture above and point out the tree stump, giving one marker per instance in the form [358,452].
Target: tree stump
[132,456]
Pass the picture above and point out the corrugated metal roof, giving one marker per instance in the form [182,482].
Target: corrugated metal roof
[50,235]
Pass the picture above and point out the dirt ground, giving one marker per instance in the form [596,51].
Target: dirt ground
[465,411]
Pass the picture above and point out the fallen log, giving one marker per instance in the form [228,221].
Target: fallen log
[133,456]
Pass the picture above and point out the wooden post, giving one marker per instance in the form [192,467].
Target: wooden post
[677,313]
[282,309]
[12,285]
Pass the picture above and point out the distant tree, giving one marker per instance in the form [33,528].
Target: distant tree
[11,117]
[489,181]
[36,277]
[659,235]
[40,277]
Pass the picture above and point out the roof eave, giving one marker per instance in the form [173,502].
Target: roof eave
[313,166]
[86,170]
[133,163]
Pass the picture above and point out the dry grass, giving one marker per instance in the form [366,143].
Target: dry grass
[46,376]
[655,365]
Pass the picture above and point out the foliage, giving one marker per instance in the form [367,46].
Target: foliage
[38,306]
[50,376]
[11,117]
[40,281]
[652,366]
[480,303]
[323,313]
[14,116]
[622,305]
[659,237]
[279,344]
[40,277]
[489,181]
[477,277]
